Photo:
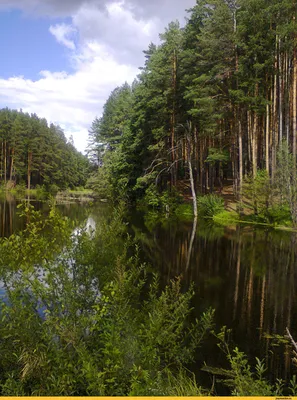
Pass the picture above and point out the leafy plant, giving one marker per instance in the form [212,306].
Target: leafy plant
[91,321]
[226,218]
[210,205]
[258,191]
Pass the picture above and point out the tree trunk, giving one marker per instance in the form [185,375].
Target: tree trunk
[267,139]
[29,169]
[173,122]
[294,110]
[5,163]
[11,164]
[191,176]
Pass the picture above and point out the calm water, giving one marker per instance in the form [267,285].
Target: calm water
[249,276]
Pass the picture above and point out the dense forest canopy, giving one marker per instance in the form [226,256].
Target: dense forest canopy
[35,153]
[220,93]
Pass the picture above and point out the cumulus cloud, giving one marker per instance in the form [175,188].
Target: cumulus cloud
[115,26]
[71,100]
[53,8]
[104,41]
[63,34]
[166,10]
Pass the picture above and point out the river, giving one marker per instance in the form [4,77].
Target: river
[248,275]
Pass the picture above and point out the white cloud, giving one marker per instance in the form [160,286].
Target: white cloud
[63,33]
[166,10]
[104,42]
[115,26]
[71,100]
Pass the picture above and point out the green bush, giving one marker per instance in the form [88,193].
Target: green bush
[170,199]
[152,197]
[104,328]
[258,191]
[185,211]
[20,189]
[166,201]
[226,218]
[210,205]
[279,215]
[53,189]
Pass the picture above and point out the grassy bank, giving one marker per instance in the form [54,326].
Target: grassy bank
[169,206]
[42,193]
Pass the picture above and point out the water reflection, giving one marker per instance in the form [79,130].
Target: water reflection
[248,275]
[11,221]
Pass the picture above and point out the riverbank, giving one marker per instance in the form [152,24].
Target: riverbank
[82,195]
[222,209]
[40,193]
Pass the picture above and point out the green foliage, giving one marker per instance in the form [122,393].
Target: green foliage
[279,215]
[258,191]
[166,202]
[226,218]
[217,155]
[152,197]
[170,199]
[42,239]
[210,205]
[243,381]
[19,189]
[240,378]
[185,211]
[286,180]
[274,203]
[90,321]
[34,153]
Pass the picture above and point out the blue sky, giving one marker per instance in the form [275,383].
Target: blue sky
[27,47]
[61,59]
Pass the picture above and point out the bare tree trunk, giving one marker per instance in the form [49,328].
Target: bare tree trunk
[5,162]
[29,169]
[294,105]
[254,145]
[280,85]
[173,122]
[267,138]
[11,164]
[1,161]
[191,176]
[240,155]
[193,234]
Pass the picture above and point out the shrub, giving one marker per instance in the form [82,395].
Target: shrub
[170,199]
[226,218]
[258,191]
[210,205]
[280,215]
[20,188]
[152,197]
[74,333]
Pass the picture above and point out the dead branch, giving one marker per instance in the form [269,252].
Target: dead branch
[294,344]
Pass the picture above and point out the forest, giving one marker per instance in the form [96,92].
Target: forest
[34,153]
[214,104]
[125,293]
